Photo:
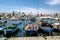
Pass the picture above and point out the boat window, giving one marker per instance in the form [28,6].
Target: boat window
[54,21]
[45,19]
[51,21]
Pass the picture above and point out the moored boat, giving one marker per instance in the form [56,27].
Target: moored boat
[1,29]
[45,28]
[14,18]
[2,24]
[10,30]
[52,23]
[31,29]
[32,19]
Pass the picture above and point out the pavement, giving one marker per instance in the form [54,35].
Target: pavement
[32,38]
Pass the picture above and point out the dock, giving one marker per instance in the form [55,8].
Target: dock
[32,38]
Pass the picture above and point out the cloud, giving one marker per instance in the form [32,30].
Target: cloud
[35,11]
[29,10]
[53,2]
[32,11]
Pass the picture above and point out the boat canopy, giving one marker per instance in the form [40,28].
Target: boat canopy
[56,23]
[56,18]
[44,17]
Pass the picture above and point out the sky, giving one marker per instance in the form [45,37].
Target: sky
[30,6]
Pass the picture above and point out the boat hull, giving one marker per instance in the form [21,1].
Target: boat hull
[47,31]
[10,32]
[31,32]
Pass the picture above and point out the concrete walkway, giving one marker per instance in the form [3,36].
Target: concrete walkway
[32,38]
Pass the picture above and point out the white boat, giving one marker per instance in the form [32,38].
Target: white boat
[14,18]
[44,17]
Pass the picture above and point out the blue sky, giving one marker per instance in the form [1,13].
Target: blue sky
[31,5]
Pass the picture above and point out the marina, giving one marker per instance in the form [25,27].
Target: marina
[29,19]
[26,28]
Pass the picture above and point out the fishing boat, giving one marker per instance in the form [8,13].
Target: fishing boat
[56,30]
[23,18]
[31,29]
[55,23]
[50,20]
[2,26]
[1,29]
[45,27]
[14,18]
[32,19]
[56,26]
[10,30]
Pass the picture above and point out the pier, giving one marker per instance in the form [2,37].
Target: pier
[32,38]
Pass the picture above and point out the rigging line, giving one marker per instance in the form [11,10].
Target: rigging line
[37,6]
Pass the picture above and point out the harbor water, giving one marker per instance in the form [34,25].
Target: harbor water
[20,32]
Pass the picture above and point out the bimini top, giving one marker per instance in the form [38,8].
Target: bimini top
[45,17]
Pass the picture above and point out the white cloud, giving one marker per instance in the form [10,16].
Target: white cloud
[35,11]
[29,10]
[53,2]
